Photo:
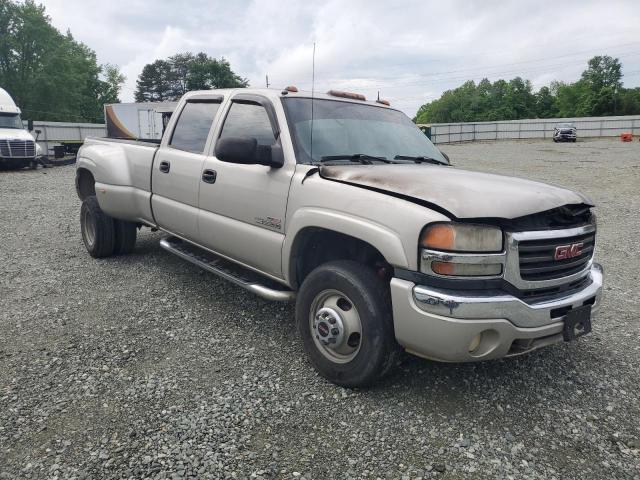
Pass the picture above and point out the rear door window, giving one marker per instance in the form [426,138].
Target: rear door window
[193,126]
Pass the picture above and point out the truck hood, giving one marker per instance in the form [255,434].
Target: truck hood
[14,134]
[462,194]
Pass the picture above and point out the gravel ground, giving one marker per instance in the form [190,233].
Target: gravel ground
[144,366]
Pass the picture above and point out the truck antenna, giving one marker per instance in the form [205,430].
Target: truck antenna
[313,88]
[267,79]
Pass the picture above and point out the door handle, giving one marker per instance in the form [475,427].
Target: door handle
[209,176]
[165,166]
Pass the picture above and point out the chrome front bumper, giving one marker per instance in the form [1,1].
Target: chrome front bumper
[442,324]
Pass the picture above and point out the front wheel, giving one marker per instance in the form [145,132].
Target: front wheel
[97,229]
[343,313]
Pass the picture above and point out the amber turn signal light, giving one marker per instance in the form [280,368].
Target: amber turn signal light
[439,237]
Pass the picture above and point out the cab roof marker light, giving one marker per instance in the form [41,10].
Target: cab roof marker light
[384,102]
[290,88]
[351,95]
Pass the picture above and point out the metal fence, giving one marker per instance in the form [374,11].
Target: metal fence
[58,133]
[532,128]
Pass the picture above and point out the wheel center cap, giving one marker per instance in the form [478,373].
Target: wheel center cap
[323,329]
[328,326]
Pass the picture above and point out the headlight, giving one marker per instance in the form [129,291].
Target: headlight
[461,250]
[460,237]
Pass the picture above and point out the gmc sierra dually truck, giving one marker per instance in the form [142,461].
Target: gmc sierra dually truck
[346,206]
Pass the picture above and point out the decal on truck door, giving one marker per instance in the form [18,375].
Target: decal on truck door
[270,222]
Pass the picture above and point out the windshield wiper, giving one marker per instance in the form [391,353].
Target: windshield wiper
[355,157]
[420,159]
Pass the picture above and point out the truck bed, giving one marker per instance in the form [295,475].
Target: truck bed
[122,170]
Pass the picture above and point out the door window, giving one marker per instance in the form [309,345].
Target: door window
[194,123]
[248,120]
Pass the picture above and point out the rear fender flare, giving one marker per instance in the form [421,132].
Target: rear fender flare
[107,164]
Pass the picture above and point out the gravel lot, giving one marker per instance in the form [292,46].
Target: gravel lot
[144,366]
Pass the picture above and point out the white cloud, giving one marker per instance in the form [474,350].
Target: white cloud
[409,50]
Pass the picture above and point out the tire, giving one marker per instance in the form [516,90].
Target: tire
[125,237]
[97,229]
[352,290]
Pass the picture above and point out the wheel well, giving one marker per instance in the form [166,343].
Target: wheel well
[314,246]
[85,183]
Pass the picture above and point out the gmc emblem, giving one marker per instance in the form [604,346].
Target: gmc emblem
[563,252]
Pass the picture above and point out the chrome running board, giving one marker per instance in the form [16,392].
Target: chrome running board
[243,277]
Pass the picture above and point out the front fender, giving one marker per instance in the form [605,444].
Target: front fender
[387,242]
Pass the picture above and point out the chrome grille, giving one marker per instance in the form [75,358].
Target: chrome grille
[17,148]
[537,257]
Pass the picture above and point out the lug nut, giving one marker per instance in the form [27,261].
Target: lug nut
[332,321]
[335,331]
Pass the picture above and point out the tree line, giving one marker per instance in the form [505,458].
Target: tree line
[50,75]
[169,79]
[598,92]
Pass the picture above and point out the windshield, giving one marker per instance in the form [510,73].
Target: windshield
[565,125]
[10,120]
[345,128]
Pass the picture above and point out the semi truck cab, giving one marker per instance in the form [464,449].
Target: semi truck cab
[18,148]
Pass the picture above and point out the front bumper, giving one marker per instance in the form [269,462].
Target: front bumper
[16,162]
[442,324]
[565,136]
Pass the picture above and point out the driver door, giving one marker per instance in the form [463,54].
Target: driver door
[242,212]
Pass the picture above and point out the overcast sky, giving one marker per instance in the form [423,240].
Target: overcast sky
[410,51]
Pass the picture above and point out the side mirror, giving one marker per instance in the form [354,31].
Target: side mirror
[30,125]
[245,150]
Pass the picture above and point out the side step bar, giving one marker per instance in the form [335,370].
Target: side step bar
[248,279]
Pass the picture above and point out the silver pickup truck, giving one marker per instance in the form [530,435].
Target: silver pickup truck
[344,206]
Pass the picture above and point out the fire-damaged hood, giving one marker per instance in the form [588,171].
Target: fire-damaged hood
[461,193]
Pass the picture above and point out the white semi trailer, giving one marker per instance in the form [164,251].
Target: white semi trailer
[138,121]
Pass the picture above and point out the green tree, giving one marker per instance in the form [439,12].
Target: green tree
[154,83]
[545,103]
[603,71]
[629,101]
[206,73]
[171,78]
[112,80]
[50,75]
[520,99]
